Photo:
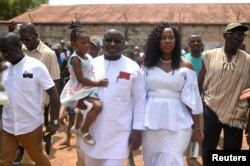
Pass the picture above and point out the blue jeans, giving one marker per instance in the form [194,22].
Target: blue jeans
[212,130]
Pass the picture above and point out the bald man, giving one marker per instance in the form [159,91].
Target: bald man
[118,127]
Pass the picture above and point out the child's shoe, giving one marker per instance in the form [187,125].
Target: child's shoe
[89,106]
[90,141]
[76,110]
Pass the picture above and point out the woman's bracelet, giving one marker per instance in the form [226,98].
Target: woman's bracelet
[198,128]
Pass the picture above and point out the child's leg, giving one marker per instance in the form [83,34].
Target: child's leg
[79,119]
[92,114]
[92,107]
[75,129]
[71,122]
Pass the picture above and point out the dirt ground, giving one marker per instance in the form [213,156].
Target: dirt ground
[67,156]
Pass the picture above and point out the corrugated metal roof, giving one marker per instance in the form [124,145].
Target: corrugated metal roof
[139,13]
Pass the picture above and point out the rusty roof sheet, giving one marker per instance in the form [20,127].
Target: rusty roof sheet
[139,14]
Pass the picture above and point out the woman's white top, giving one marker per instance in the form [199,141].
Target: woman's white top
[169,94]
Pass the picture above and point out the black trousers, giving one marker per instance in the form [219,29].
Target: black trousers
[212,130]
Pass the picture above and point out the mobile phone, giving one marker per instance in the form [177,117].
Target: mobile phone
[194,149]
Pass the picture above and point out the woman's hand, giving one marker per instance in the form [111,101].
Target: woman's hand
[197,136]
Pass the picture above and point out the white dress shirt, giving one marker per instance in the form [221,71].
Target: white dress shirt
[24,83]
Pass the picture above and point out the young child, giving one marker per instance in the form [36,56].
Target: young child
[81,89]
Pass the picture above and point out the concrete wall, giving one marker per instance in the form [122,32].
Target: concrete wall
[212,35]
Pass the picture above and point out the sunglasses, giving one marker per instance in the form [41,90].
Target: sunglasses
[116,41]
[26,39]
[236,35]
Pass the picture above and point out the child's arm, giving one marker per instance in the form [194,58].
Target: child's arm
[76,63]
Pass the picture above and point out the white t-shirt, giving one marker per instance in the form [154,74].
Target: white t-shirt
[24,84]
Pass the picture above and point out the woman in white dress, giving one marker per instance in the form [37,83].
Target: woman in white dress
[173,100]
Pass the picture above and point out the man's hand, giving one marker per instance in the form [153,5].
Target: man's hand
[248,140]
[135,139]
[248,133]
[245,94]
[52,128]
[12,26]
[197,136]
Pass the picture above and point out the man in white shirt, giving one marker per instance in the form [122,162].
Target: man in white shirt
[34,47]
[24,81]
[117,129]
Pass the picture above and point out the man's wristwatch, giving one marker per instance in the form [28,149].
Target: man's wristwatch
[55,122]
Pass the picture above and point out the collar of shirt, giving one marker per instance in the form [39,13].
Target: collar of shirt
[112,58]
[20,61]
[38,48]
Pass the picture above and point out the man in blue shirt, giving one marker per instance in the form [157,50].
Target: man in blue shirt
[196,47]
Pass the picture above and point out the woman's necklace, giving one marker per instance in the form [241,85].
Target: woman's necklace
[229,65]
[163,61]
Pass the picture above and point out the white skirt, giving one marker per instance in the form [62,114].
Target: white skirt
[164,147]
[89,161]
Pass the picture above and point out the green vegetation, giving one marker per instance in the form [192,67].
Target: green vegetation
[13,8]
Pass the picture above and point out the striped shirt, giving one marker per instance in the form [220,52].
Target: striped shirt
[223,86]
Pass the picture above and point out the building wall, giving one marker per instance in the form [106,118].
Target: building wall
[3,28]
[136,34]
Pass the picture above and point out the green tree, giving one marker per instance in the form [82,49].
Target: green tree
[12,8]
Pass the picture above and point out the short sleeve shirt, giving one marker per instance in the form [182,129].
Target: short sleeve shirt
[24,84]
[48,57]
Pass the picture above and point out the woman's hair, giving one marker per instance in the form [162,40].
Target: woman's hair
[75,31]
[152,47]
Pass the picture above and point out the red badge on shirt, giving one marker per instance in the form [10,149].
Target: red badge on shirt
[124,75]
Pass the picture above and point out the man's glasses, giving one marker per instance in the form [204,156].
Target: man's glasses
[116,41]
[26,39]
[236,35]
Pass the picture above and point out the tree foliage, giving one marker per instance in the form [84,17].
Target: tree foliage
[13,8]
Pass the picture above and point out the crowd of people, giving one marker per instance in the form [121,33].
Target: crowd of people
[118,98]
